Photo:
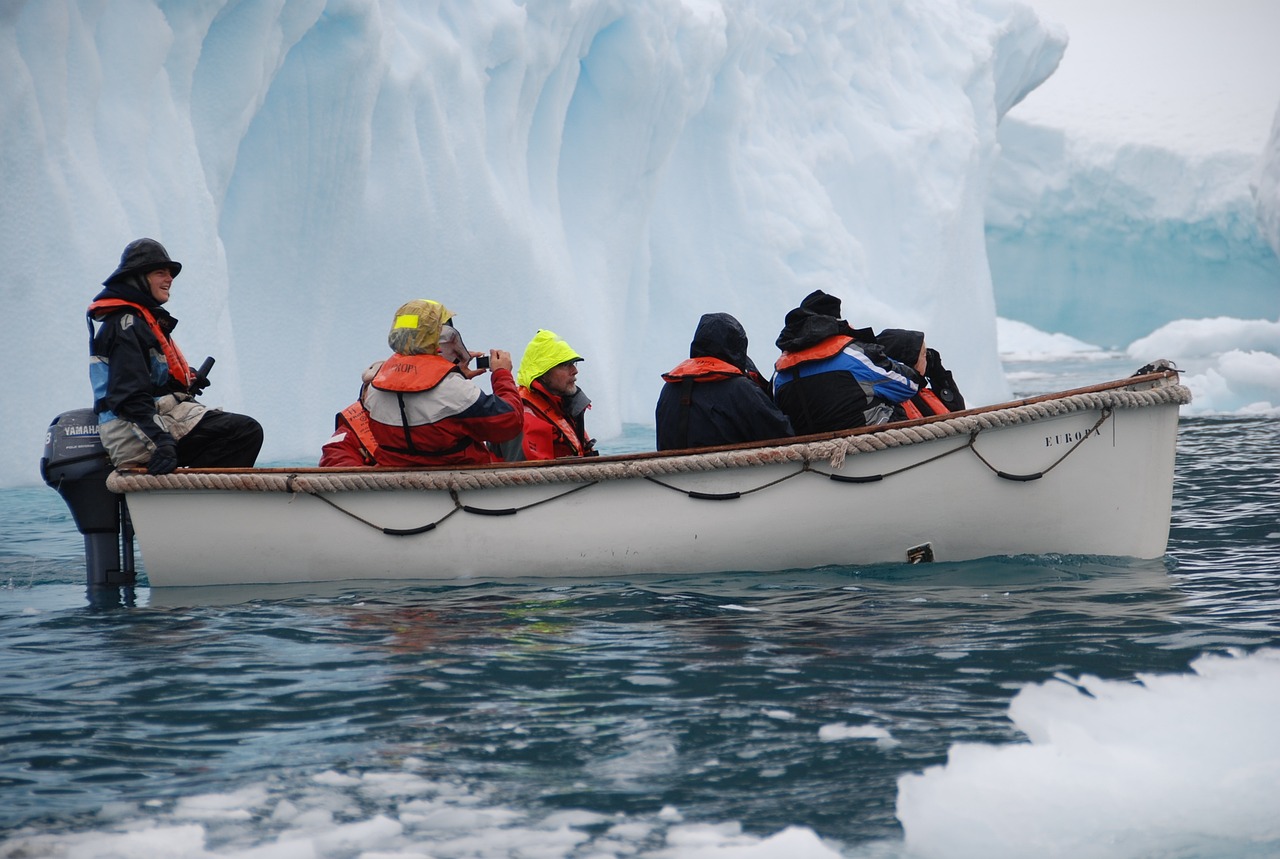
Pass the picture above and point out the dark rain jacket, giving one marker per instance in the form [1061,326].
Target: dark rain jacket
[903,345]
[857,386]
[127,364]
[699,409]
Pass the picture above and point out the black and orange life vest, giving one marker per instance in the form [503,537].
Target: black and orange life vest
[702,370]
[693,371]
[824,349]
[179,369]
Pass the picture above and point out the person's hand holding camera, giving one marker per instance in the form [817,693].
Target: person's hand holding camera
[499,360]
[496,359]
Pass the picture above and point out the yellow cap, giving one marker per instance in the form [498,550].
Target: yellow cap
[544,351]
[416,330]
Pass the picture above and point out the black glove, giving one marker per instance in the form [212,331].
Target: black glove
[933,364]
[197,387]
[164,459]
[942,382]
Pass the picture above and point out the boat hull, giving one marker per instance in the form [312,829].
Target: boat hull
[1086,481]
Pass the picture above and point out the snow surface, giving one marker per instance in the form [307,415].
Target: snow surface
[610,169]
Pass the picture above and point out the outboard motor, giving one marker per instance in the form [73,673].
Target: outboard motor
[76,464]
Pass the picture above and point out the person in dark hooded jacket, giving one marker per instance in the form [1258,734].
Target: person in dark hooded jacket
[832,377]
[144,391]
[941,396]
[717,396]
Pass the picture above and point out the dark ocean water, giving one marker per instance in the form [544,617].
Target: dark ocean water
[730,715]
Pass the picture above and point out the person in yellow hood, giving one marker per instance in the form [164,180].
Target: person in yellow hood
[554,405]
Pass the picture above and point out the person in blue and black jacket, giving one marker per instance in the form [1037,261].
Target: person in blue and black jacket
[832,377]
[717,395]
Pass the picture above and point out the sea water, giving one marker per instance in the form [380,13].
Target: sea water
[847,711]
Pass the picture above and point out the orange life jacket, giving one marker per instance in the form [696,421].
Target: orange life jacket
[549,410]
[831,346]
[355,419]
[702,370]
[410,373]
[179,369]
[930,399]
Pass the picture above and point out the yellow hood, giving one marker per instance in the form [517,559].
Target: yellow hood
[544,351]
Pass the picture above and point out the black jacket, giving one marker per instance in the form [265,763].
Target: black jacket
[705,413]
[127,366]
[859,386]
[903,345]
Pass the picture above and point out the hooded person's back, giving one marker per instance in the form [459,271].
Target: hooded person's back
[717,396]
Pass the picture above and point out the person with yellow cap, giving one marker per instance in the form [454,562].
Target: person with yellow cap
[422,407]
[554,405]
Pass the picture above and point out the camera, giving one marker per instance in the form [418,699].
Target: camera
[482,362]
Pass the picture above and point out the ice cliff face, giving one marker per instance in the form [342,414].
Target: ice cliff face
[1266,188]
[1108,242]
[607,169]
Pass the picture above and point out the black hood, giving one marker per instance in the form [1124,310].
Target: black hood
[816,319]
[901,344]
[820,302]
[131,287]
[720,335]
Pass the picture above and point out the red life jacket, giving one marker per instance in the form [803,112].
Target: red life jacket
[702,370]
[930,399]
[564,436]
[831,346]
[411,373]
[355,420]
[179,369]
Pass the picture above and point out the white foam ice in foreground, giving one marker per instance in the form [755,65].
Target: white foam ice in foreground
[1181,765]
[1170,765]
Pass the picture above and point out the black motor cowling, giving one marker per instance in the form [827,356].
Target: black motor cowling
[76,465]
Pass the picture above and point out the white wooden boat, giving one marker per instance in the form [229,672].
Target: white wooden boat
[1084,472]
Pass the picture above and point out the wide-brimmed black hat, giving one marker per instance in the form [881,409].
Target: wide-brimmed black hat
[142,256]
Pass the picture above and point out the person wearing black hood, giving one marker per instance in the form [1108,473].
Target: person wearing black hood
[144,391]
[717,396]
[942,396]
[832,377]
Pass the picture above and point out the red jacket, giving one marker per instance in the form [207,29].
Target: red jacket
[423,412]
[549,433]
